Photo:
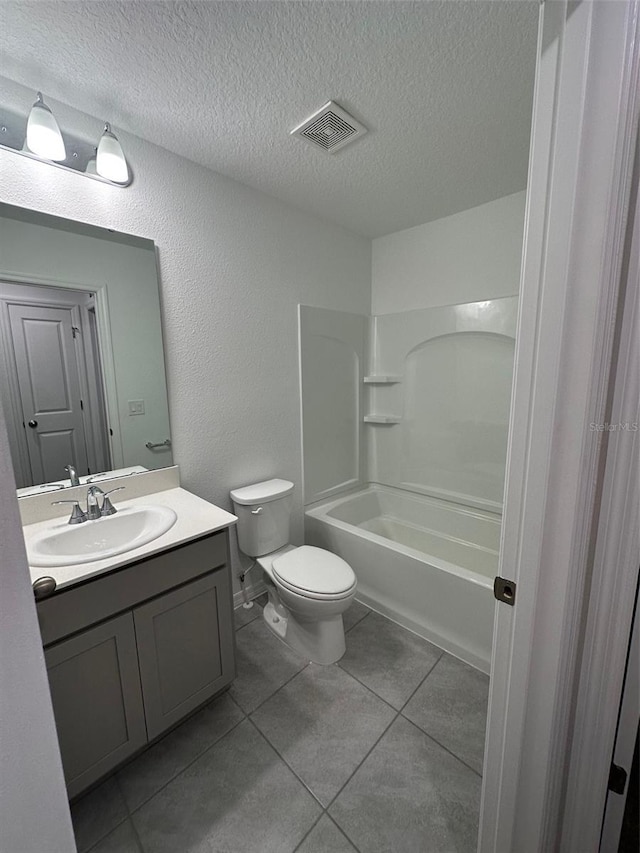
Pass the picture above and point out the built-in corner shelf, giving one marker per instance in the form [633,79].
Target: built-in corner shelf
[382,380]
[382,419]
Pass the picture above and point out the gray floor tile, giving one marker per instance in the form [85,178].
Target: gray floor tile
[238,797]
[264,664]
[141,779]
[451,706]
[121,840]
[410,795]
[325,837]
[323,723]
[97,813]
[354,614]
[387,658]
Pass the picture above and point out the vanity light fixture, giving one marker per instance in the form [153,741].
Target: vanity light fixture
[43,141]
[43,134]
[110,159]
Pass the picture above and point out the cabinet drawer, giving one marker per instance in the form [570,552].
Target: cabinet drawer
[80,606]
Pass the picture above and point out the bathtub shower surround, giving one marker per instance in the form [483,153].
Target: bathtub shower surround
[455,363]
[425,423]
[332,356]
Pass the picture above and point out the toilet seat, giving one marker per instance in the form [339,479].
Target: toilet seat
[315,596]
[314,573]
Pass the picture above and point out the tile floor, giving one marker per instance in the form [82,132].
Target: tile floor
[379,753]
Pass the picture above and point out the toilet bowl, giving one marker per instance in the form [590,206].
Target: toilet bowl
[309,588]
[304,609]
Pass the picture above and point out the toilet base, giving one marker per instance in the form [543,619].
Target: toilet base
[320,642]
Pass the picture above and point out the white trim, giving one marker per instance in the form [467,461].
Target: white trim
[37,295]
[10,395]
[253,591]
[579,181]
[105,342]
[613,589]
[300,404]
[98,421]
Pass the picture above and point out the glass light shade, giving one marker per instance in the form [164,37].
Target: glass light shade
[43,134]
[110,159]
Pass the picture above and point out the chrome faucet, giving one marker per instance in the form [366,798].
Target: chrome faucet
[73,475]
[93,507]
[94,510]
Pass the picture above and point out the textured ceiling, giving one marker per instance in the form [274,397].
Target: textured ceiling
[445,89]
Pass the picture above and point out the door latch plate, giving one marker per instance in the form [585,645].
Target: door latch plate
[617,779]
[505,590]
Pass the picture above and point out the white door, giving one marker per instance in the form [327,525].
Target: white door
[49,385]
[586,107]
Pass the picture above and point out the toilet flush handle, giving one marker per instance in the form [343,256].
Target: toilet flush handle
[256,511]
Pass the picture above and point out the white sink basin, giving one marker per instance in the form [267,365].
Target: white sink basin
[64,544]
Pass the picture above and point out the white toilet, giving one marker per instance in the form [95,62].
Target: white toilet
[309,588]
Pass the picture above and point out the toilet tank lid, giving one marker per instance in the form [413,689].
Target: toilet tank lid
[260,493]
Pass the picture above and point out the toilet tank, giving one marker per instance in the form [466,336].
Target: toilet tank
[264,514]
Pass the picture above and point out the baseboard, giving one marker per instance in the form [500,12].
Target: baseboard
[253,591]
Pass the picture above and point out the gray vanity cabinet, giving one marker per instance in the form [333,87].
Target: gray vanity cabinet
[95,690]
[129,654]
[184,649]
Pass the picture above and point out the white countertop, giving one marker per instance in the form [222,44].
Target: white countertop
[196,518]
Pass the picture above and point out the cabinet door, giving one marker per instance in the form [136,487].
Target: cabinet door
[97,701]
[185,649]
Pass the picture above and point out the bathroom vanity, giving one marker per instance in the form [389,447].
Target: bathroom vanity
[136,643]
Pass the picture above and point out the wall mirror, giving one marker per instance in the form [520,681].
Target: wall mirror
[83,379]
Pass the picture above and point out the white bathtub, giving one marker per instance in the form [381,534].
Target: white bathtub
[428,564]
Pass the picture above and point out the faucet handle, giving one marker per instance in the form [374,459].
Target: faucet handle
[107,507]
[77,515]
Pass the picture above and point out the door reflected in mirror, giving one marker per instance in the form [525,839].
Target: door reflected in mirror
[83,378]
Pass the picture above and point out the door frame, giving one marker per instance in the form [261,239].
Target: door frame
[610,655]
[585,120]
[104,341]
[91,383]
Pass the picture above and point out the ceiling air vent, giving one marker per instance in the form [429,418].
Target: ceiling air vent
[330,128]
